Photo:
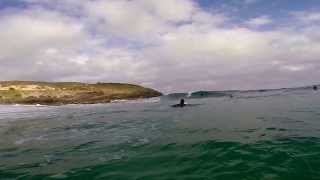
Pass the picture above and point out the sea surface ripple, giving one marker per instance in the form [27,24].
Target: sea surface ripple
[229,135]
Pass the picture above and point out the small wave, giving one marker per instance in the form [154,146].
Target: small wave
[26,140]
[59,176]
[238,93]
[141,142]
[143,100]
[198,94]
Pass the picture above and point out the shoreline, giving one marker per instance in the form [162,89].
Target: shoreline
[116,101]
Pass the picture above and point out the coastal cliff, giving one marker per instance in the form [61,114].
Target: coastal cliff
[58,93]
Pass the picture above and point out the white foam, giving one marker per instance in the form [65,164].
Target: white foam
[119,100]
[144,100]
[25,140]
[27,105]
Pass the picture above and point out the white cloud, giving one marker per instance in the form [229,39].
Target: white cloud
[307,17]
[35,30]
[171,45]
[293,68]
[259,21]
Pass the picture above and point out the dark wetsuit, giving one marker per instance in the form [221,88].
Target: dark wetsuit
[181,104]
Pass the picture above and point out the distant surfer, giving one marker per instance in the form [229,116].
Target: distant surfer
[181,104]
[315,88]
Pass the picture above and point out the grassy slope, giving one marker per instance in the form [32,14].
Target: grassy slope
[30,92]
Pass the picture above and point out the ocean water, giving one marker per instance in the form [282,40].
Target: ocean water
[250,135]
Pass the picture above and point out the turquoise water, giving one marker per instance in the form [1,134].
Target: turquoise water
[251,135]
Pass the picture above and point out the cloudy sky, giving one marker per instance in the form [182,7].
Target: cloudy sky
[170,45]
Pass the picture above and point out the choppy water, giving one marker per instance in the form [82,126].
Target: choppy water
[253,135]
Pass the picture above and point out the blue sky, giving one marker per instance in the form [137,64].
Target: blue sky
[271,7]
[258,7]
[279,10]
[170,45]
[11,3]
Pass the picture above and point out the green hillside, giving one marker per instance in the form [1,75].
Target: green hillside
[57,93]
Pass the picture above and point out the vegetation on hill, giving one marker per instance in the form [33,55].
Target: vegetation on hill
[56,93]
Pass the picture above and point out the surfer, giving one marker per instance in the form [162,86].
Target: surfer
[315,88]
[181,104]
